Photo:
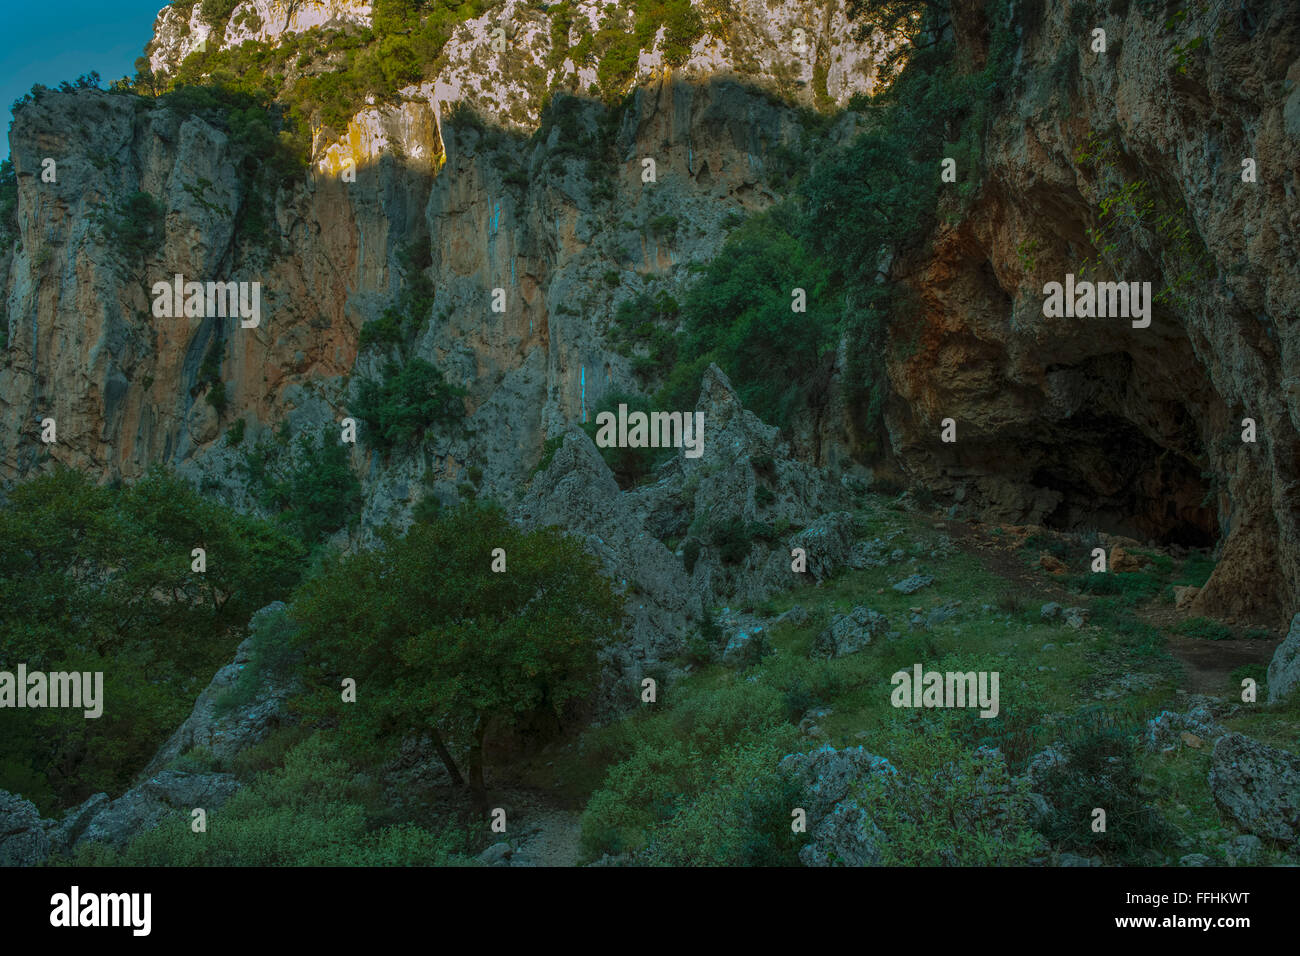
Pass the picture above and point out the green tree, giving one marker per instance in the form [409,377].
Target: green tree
[439,642]
[96,578]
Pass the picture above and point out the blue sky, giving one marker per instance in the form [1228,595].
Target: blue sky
[47,41]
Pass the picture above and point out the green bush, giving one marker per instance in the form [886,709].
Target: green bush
[406,400]
[951,807]
[310,812]
[99,579]
[312,489]
[712,755]
[1204,629]
[1102,771]
[134,226]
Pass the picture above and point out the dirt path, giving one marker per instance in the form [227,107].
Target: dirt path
[1207,665]
[541,833]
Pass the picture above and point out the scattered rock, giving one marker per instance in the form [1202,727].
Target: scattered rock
[498,854]
[849,633]
[1122,562]
[914,583]
[1184,595]
[1165,730]
[1050,612]
[1259,785]
[1195,859]
[941,614]
[1243,850]
[1076,617]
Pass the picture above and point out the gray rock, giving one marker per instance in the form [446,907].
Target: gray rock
[225,733]
[942,614]
[1259,785]
[828,542]
[23,840]
[1076,617]
[498,854]
[1164,731]
[827,775]
[844,837]
[1243,850]
[913,583]
[146,806]
[1195,859]
[849,633]
[1284,669]
[1050,611]
[64,835]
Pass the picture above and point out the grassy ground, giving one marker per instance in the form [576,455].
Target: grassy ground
[1118,666]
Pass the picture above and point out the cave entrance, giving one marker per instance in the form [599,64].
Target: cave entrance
[1115,479]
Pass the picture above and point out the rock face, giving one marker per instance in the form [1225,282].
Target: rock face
[1112,425]
[1284,668]
[225,731]
[625,529]
[1259,785]
[169,793]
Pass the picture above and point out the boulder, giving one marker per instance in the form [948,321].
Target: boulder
[1165,731]
[849,633]
[841,832]
[1259,785]
[1122,562]
[914,583]
[1076,617]
[1050,564]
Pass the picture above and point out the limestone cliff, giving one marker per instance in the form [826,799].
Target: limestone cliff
[1068,422]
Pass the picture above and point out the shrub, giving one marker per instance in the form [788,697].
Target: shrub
[134,226]
[950,807]
[407,399]
[447,647]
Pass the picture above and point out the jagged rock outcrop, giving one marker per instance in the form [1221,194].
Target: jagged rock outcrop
[221,729]
[841,832]
[165,794]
